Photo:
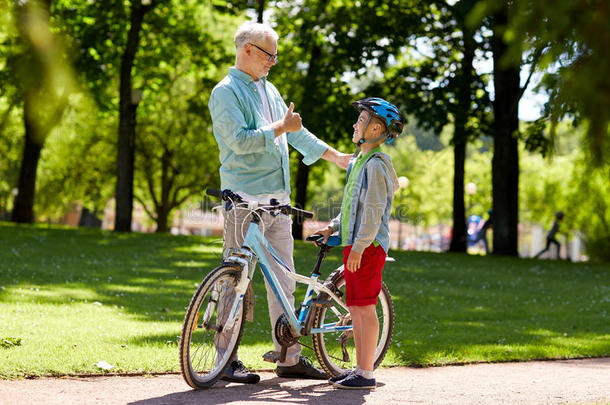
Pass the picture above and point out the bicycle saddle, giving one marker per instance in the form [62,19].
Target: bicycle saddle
[331,242]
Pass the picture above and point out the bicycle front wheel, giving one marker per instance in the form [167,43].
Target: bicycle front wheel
[336,351]
[207,343]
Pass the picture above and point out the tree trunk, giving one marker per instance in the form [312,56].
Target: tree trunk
[458,236]
[37,124]
[164,207]
[459,240]
[505,161]
[162,220]
[127,113]
[23,208]
[302,181]
[260,9]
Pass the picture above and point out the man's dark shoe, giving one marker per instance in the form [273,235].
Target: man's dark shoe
[238,373]
[303,369]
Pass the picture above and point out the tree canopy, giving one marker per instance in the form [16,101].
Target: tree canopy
[103,99]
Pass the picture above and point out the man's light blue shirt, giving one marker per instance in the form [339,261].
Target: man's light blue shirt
[252,160]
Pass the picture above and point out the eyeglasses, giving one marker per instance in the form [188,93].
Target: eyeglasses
[271,58]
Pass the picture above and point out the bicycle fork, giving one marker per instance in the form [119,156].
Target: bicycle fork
[246,260]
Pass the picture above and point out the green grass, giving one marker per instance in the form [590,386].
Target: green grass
[70,298]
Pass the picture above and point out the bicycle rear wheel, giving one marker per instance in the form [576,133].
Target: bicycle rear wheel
[206,345]
[336,351]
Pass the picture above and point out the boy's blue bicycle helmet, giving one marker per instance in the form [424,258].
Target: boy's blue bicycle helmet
[388,113]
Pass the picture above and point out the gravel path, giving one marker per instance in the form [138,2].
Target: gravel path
[538,382]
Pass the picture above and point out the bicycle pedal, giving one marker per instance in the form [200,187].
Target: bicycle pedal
[272,356]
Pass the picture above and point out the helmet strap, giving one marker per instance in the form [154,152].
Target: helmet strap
[379,138]
[362,140]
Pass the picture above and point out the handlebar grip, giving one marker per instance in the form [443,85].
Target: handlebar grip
[213,192]
[225,195]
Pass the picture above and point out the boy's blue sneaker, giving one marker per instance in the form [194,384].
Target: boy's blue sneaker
[356,382]
[341,376]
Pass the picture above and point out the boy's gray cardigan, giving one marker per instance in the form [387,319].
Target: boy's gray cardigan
[371,205]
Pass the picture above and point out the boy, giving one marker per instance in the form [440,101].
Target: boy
[363,225]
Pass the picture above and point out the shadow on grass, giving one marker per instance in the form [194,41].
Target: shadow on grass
[141,273]
[447,306]
[456,308]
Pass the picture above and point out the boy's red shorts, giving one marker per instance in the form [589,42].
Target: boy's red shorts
[363,286]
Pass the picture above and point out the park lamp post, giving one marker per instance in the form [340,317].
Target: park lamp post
[403,184]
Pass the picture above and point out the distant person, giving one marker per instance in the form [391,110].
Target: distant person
[482,233]
[550,237]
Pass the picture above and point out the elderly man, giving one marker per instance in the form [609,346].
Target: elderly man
[253,128]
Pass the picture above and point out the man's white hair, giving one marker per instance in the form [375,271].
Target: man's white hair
[253,32]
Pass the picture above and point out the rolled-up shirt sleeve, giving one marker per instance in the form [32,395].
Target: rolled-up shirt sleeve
[307,144]
[230,124]
[335,223]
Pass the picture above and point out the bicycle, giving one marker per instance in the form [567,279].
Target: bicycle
[214,320]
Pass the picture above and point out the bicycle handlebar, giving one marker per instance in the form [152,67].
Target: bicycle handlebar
[225,195]
[228,195]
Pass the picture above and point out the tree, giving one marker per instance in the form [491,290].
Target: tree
[437,83]
[505,162]
[77,164]
[44,81]
[575,64]
[572,49]
[175,146]
[128,104]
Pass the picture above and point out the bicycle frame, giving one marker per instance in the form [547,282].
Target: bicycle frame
[256,241]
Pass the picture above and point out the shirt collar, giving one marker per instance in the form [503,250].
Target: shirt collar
[241,75]
[375,149]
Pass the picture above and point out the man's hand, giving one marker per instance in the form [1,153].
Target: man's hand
[292,121]
[341,159]
[353,261]
[326,232]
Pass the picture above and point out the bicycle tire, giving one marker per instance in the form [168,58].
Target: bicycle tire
[327,346]
[199,353]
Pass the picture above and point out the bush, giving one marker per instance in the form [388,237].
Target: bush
[598,248]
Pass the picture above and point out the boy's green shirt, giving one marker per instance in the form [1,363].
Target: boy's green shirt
[349,188]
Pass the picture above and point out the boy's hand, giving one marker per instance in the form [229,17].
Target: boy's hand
[326,232]
[353,261]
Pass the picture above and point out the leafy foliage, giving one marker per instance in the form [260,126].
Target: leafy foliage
[184,53]
[589,204]
[568,41]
